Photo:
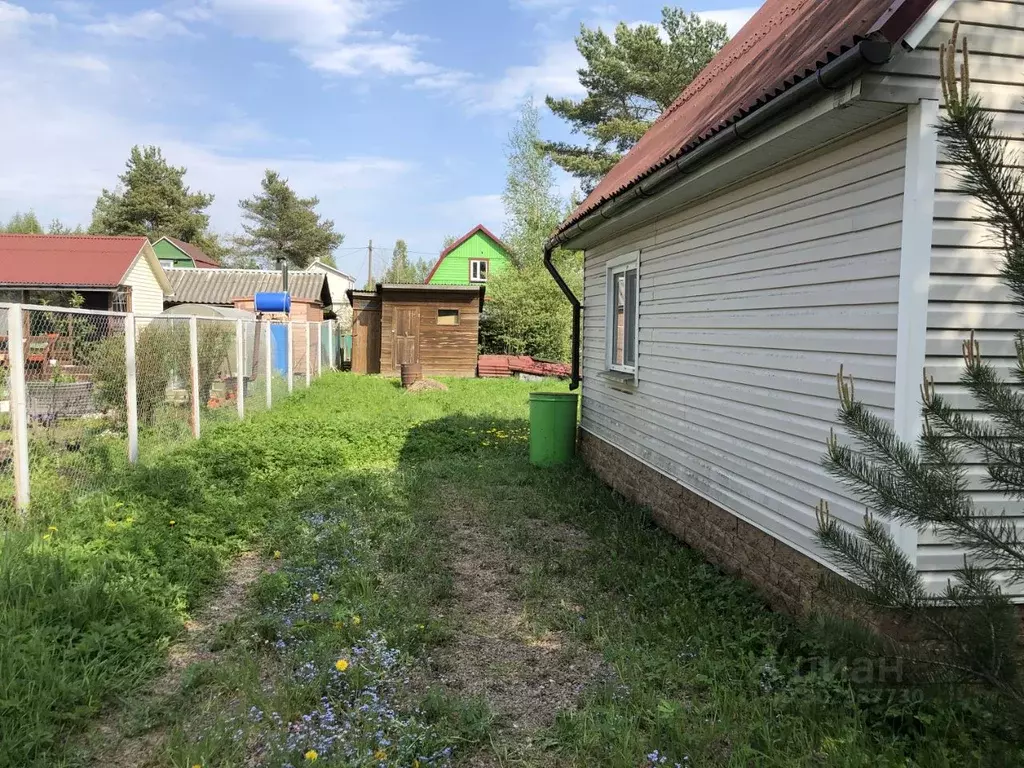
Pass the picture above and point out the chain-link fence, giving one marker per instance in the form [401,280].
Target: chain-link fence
[76,384]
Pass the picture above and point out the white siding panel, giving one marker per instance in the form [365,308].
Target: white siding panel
[749,303]
[965,292]
[147,295]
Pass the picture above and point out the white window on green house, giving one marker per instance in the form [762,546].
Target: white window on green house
[478,271]
[166,263]
[623,313]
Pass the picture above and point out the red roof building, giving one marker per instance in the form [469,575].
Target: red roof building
[110,272]
[783,43]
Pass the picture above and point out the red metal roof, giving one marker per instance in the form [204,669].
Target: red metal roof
[72,261]
[200,259]
[460,241]
[783,42]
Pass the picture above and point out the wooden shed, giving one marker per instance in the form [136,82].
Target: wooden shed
[437,326]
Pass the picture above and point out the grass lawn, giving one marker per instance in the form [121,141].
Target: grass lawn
[428,597]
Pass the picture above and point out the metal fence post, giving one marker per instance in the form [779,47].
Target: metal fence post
[291,357]
[193,351]
[131,391]
[240,367]
[18,404]
[269,365]
[330,345]
[309,372]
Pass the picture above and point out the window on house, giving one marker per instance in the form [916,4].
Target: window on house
[166,263]
[120,301]
[447,317]
[478,271]
[623,300]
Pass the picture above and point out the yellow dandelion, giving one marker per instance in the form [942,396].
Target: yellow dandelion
[315,597]
[415,764]
[172,523]
[52,528]
[46,536]
[380,754]
[341,665]
[311,755]
[277,554]
[197,765]
[356,621]
[339,625]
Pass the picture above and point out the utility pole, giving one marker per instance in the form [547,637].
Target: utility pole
[369,265]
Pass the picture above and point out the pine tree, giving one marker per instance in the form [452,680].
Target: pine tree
[278,224]
[969,632]
[152,199]
[23,224]
[630,80]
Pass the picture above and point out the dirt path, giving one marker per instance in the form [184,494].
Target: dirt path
[115,746]
[525,678]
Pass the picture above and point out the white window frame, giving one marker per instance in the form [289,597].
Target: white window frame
[475,263]
[167,263]
[615,267]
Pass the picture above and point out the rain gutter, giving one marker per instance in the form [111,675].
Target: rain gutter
[866,53]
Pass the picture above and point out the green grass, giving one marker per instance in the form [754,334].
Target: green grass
[354,482]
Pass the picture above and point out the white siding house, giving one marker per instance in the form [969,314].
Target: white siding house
[831,235]
[148,283]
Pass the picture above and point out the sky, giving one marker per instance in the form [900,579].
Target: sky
[395,113]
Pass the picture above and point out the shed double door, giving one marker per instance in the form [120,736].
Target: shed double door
[406,344]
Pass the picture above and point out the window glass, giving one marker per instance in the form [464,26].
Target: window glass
[447,317]
[622,306]
[166,263]
[629,352]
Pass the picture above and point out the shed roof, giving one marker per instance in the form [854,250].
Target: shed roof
[223,286]
[200,259]
[67,261]
[784,42]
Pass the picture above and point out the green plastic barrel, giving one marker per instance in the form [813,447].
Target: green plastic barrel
[552,428]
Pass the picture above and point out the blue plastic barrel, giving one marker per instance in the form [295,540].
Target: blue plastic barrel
[273,302]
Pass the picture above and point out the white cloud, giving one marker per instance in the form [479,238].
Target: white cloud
[15,18]
[355,58]
[307,22]
[555,74]
[733,18]
[79,115]
[144,25]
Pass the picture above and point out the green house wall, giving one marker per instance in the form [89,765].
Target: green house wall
[454,269]
[165,250]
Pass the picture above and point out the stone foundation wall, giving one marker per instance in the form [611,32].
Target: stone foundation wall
[789,580]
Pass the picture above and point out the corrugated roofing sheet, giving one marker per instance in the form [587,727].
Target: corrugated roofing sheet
[72,261]
[200,259]
[783,42]
[223,286]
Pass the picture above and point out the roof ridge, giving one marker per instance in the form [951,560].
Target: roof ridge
[711,73]
[73,236]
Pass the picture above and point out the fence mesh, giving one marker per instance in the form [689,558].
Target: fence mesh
[78,373]
[7,500]
[74,372]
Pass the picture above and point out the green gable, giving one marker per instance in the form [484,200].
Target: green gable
[453,268]
[167,251]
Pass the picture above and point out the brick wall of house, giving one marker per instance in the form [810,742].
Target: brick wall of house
[788,580]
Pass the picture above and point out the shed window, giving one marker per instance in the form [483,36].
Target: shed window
[623,313]
[478,271]
[447,317]
[167,263]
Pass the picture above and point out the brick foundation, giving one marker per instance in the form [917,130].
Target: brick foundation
[788,580]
